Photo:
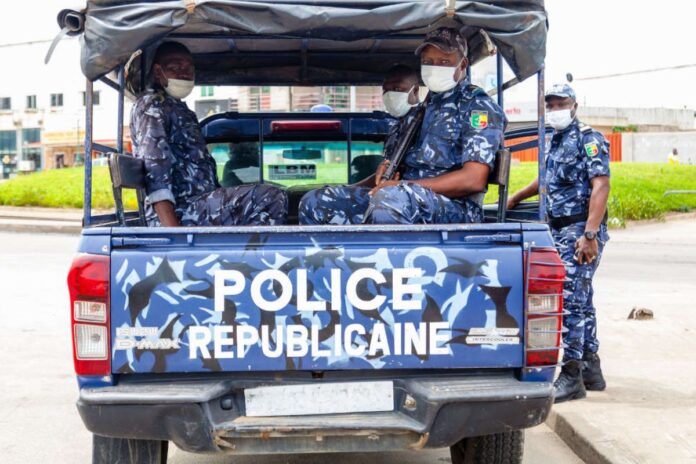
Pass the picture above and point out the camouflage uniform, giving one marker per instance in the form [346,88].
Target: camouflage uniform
[179,169]
[346,204]
[574,157]
[460,125]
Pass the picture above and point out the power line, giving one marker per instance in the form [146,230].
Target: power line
[630,73]
[31,42]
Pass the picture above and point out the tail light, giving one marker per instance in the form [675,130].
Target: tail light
[88,282]
[545,277]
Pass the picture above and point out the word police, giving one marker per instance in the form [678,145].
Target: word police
[231,282]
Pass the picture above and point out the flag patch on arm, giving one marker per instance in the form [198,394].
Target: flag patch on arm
[479,119]
[592,149]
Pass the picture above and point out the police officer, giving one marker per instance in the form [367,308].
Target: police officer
[346,204]
[444,174]
[577,181]
[181,176]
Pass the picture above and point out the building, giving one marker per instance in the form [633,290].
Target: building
[42,108]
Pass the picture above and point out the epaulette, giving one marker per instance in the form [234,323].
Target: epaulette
[584,128]
[475,90]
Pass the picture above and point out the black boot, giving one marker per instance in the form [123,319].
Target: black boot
[568,385]
[592,372]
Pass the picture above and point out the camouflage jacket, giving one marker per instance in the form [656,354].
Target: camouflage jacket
[166,135]
[461,125]
[574,156]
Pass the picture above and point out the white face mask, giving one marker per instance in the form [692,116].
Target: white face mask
[438,78]
[179,88]
[396,103]
[559,119]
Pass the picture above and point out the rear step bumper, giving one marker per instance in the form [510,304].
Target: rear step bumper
[191,414]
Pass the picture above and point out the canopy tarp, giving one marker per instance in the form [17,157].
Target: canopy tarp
[311,42]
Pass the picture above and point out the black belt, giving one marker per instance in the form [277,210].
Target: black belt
[565,221]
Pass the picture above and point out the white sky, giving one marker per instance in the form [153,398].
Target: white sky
[586,38]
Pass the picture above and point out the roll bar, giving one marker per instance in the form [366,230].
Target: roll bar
[120,87]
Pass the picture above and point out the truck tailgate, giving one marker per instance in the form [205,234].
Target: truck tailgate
[302,298]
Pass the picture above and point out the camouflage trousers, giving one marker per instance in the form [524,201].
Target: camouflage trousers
[401,204]
[580,321]
[256,204]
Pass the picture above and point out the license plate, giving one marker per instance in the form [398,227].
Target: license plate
[327,398]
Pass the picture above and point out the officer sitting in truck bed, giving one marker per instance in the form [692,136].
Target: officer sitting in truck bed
[181,175]
[445,173]
[346,204]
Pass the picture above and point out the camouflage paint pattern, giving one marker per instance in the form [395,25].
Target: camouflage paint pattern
[464,287]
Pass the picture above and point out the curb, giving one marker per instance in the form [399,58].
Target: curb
[669,217]
[41,227]
[587,441]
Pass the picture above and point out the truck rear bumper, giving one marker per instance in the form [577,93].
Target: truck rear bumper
[208,416]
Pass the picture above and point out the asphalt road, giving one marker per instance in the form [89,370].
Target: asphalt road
[38,419]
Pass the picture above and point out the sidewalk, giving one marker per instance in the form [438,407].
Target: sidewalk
[40,220]
[648,412]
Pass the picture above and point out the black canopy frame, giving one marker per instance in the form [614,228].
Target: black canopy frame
[233,40]
[294,42]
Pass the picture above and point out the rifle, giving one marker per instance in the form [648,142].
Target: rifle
[405,142]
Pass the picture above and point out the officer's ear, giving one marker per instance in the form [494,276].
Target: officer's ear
[461,69]
[575,109]
[414,98]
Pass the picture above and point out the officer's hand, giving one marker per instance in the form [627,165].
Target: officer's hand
[386,183]
[512,203]
[380,171]
[586,251]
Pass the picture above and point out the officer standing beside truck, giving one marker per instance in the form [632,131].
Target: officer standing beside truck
[181,175]
[577,182]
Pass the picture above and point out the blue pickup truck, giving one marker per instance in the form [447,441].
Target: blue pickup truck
[298,339]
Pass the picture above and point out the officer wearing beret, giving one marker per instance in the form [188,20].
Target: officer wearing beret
[577,181]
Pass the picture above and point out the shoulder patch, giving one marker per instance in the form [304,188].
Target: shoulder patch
[479,119]
[591,149]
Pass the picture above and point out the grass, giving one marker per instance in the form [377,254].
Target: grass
[637,189]
[61,188]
